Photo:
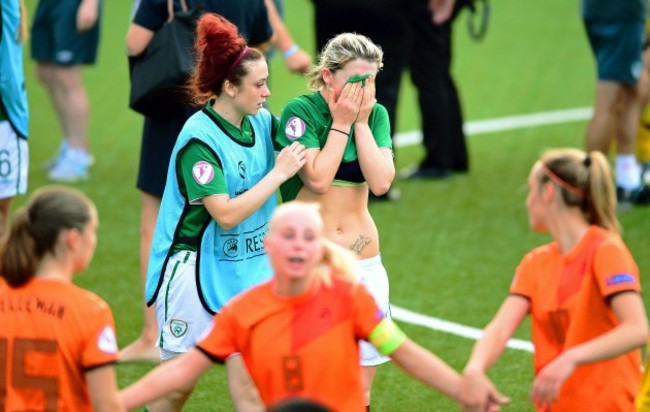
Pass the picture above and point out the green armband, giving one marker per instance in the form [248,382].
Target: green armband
[387,337]
[359,78]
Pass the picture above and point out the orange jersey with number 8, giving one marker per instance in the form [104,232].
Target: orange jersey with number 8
[52,333]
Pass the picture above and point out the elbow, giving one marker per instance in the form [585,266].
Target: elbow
[226,223]
[319,187]
[642,334]
[380,189]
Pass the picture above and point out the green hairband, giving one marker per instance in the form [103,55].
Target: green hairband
[359,78]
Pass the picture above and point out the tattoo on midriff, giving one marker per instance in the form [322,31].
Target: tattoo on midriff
[360,244]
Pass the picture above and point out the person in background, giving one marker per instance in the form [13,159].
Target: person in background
[295,59]
[14,110]
[65,36]
[298,332]
[57,340]
[349,154]
[616,33]
[581,291]
[160,131]
[219,195]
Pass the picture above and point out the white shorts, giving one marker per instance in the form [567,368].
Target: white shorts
[14,162]
[373,276]
[182,319]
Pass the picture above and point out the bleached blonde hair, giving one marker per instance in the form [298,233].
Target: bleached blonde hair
[337,261]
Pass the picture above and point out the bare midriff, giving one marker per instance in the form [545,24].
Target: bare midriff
[346,218]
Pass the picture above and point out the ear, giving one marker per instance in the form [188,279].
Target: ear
[72,238]
[549,191]
[327,76]
[230,89]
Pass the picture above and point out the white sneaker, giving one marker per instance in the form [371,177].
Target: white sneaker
[63,148]
[71,166]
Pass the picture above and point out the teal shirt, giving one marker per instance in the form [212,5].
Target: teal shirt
[307,120]
[13,95]
[228,261]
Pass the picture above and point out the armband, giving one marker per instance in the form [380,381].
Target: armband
[387,337]
[290,51]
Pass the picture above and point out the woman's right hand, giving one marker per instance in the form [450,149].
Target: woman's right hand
[290,160]
[345,109]
[478,394]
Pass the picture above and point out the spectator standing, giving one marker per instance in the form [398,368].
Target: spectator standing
[65,36]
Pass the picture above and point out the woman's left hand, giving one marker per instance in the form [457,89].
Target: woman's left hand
[549,380]
[368,101]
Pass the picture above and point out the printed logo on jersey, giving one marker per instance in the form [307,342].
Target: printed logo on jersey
[106,341]
[295,128]
[203,172]
[178,327]
[241,166]
[231,248]
[619,279]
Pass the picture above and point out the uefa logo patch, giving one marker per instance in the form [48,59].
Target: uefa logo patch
[295,128]
[203,172]
[107,342]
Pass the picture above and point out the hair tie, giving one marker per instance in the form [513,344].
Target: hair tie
[587,161]
[236,62]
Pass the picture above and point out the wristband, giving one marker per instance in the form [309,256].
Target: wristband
[290,51]
[340,131]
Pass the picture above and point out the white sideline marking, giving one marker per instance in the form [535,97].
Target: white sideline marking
[414,318]
[473,128]
[506,123]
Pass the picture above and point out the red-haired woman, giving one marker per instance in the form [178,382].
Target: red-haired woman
[161,130]
[219,196]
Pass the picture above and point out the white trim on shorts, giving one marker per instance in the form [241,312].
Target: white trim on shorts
[182,319]
[14,162]
[373,276]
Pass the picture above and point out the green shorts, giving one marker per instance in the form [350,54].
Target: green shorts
[617,48]
[55,39]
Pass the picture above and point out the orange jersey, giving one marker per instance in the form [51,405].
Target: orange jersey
[51,333]
[299,346]
[569,297]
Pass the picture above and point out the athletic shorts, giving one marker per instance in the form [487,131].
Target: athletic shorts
[55,38]
[617,48]
[14,162]
[182,319]
[373,276]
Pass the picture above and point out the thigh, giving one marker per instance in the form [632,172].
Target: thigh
[182,320]
[373,276]
[14,163]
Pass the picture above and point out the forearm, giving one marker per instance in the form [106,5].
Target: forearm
[487,350]
[283,40]
[318,175]
[427,368]
[240,207]
[377,168]
[163,380]
[619,340]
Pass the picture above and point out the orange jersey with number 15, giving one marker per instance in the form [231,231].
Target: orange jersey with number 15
[51,333]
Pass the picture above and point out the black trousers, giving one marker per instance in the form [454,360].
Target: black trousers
[409,40]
